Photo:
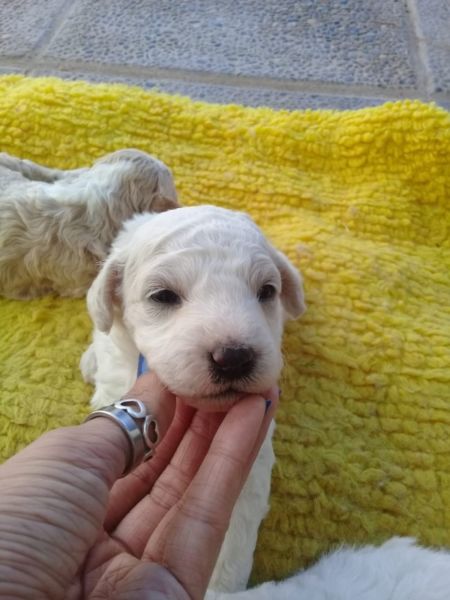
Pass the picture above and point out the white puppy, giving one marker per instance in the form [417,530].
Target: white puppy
[56,226]
[396,570]
[202,295]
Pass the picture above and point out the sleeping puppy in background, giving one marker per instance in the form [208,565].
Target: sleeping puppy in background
[56,226]
[202,295]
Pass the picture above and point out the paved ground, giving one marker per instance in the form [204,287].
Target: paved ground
[280,53]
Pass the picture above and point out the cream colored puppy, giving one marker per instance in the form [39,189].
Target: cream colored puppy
[396,570]
[202,295]
[56,226]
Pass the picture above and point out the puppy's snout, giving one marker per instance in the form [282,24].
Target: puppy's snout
[232,362]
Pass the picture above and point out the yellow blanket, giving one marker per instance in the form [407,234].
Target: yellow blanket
[360,202]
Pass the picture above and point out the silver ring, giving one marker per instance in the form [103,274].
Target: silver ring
[140,428]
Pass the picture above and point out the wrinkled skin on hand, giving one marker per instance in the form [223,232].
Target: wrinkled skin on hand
[71,528]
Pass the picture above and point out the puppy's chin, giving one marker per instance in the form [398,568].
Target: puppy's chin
[214,402]
[219,402]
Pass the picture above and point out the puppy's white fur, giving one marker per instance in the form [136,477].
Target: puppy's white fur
[396,570]
[216,261]
[56,226]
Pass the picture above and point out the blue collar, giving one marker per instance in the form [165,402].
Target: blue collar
[142,366]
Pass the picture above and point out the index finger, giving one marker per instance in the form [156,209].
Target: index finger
[189,537]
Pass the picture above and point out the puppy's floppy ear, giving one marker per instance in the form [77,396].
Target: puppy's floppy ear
[166,194]
[104,295]
[292,295]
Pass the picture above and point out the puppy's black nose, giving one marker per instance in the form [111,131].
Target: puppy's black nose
[232,362]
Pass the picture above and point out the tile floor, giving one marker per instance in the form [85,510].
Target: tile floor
[280,53]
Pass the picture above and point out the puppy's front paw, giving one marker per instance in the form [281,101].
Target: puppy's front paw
[88,365]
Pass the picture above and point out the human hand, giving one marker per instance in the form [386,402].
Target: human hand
[70,528]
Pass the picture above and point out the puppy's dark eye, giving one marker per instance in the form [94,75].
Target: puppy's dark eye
[266,292]
[166,297]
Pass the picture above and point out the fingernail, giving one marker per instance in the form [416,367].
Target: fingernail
[268,405]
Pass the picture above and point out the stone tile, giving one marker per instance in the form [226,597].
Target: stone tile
[222,94]
[444,103]
[435,24]
[25,23]
[439,60]
[435,20]
[350,41]
[265,97]
[9,71]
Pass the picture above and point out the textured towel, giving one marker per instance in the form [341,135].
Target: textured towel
[359,200]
